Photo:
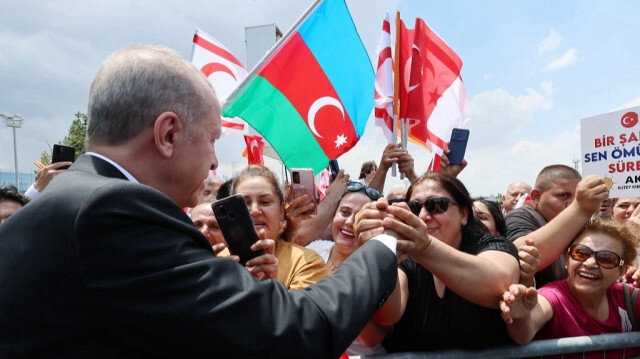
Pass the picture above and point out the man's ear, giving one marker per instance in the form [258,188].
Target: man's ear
[535,197]
[165,131]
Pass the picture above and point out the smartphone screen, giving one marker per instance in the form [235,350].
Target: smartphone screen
[62,153]
[458,145]
[236,226]
[302,182]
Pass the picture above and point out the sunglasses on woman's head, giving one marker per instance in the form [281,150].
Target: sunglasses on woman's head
[372,193]
[605,259]
[433,205]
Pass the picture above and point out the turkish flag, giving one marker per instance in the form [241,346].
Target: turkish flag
[255,147]
[436,98]
[222,68]
[406,37]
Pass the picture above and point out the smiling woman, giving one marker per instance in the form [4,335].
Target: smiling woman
[589,301]
[298,267]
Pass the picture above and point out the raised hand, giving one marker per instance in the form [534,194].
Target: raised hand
[518,302]
[529,262]
[590,192]
[368,221]
[447,168]
[46,174]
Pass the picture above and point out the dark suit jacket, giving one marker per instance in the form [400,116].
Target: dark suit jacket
[98,266]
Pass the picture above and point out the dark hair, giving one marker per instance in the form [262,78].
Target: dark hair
[367,167]
[225,189]
[11,193]
[259,171]
[550,174]
[459,193]
[494,209]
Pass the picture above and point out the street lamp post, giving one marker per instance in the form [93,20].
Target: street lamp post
[14,121]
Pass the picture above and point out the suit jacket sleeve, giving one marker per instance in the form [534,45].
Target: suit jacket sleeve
[153,280]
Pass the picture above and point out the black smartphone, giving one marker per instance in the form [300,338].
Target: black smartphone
[236,226]
[458,145]
[333,165]
[62,153]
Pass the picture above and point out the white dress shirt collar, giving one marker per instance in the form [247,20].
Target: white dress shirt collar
[124,172]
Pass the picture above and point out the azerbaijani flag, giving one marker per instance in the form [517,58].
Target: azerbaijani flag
[311,96]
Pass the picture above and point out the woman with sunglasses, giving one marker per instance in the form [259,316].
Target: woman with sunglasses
[588,302]
[448,291]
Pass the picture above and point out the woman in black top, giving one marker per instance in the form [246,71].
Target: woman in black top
[447,294]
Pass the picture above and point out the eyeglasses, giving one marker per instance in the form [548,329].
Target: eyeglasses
[433,205]
[372,193]
[605,259]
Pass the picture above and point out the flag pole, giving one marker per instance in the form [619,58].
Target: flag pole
[273,49]
[396,88]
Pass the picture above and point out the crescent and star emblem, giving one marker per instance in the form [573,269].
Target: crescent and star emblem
[313,110]
[316,106]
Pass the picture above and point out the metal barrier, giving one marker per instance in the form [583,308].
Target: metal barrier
[537,348]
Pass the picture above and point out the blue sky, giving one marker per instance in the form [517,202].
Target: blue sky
[531,69]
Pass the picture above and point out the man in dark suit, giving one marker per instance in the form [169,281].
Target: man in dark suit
[106,264]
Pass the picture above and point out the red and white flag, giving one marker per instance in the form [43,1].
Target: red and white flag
[255,149]
[383,91]
[436,98]
[524,200]
[224,71]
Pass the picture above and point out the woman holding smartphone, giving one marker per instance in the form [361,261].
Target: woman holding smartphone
[447,294]
[298,267]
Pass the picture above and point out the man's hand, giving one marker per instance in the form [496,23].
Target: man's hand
[46,174]
[518,302]
[447,168]
[368,221]
[529,263]
[590,193]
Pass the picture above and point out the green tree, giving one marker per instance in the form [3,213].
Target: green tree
[75,138]
[77,133]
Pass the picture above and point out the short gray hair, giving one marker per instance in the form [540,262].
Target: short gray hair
[137,84]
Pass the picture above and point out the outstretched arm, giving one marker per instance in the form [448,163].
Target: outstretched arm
[459,271]
[525,312]
[553,238]
[303,229]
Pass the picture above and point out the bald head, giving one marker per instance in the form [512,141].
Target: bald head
[514,192]
[135,85]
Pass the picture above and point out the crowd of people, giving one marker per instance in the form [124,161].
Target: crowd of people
[105,261]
